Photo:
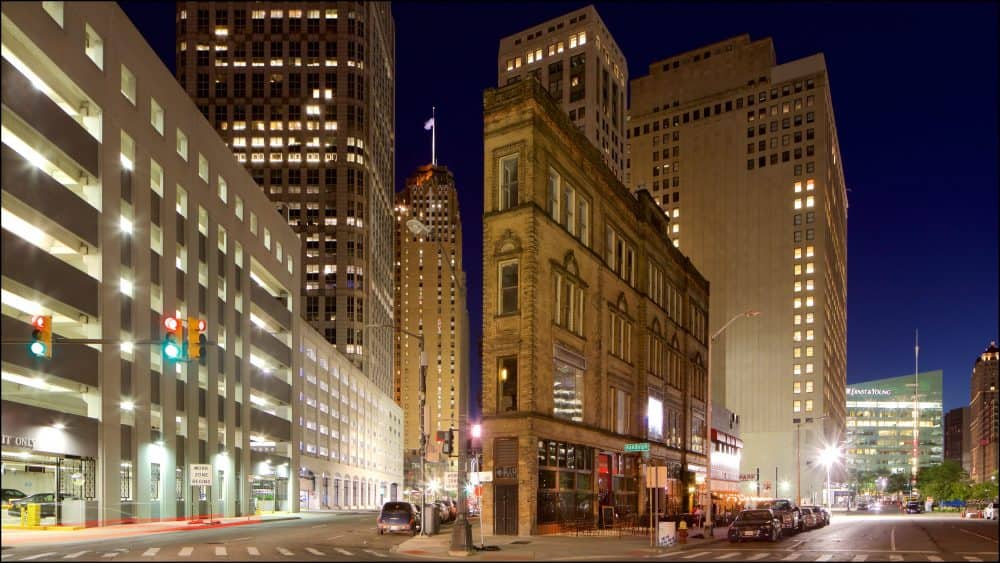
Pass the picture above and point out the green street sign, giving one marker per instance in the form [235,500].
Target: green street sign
[640,447]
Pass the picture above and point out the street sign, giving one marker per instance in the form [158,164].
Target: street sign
[201,474]
[637,447]
[485,476]
[451,480]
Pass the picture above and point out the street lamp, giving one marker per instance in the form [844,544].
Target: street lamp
[461,536]
[708,410]
[798,457]
[828,457]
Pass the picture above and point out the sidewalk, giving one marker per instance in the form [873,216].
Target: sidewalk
[14,537]
[546,548]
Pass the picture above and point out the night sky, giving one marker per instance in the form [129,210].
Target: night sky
[915,98]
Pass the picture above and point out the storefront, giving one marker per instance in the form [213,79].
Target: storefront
[50,457]
[565,483]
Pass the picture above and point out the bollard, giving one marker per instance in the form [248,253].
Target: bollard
[682,532]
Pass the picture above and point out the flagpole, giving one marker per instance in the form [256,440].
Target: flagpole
[433,139]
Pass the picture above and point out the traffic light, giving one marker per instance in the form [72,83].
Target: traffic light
[41,335]
[172,348]
[195,337]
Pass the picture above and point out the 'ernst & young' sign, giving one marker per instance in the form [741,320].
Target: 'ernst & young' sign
[869,392]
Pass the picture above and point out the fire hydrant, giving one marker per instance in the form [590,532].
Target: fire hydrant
[682,532]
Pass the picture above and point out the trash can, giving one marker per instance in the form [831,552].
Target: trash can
[431,521]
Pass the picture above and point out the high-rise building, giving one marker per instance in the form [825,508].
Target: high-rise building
[594,331]
[304,95]
[984,419]
[430,302]
[742,154]
[957,443]
[577,60]
[880,424]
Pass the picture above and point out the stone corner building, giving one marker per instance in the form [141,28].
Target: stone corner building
[984,421]
[594,330]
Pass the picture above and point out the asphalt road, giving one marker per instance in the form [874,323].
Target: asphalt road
[866,537]
[316,537]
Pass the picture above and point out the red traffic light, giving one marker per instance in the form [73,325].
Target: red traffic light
[202,325]
[171,324]
[38,321]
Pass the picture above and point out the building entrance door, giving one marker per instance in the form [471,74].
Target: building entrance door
[505,510]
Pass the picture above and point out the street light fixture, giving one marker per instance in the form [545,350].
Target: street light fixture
[709,517]
[829,456]
[798,456]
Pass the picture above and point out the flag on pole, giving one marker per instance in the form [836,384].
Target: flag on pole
[429,124]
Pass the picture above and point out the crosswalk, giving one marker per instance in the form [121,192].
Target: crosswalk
[193,552]
[730,555]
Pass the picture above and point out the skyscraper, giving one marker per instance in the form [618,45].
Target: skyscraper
[577,60]
[984,425]
[957,443]
[430,301]
[742,153]
[304,94]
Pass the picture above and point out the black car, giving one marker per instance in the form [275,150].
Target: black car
[786,511]
[46,500]
[9,495]
[914,507]
[755,524]
[822,516]
[398,516]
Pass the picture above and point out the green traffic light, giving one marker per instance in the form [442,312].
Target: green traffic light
[171,351]
[37,349]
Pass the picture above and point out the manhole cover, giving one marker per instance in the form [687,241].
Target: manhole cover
[520,542]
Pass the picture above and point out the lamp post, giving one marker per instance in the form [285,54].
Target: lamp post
[709,517]
[798,458]
[828,457]
[461,536]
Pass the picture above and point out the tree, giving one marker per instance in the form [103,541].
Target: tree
[985,491]
[945,481]
[896,483]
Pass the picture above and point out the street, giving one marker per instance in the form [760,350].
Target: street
[316,537]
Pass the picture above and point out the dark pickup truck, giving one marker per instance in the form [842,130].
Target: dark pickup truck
[786,511]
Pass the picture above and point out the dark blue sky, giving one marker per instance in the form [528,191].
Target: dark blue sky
[915,97]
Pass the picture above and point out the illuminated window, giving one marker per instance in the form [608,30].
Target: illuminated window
[798,252]
[798,286]
[257,141]
[797,303]
[797,319]
[128,84]
[810,185]
[796,369]
[797,336]
[810,201]
[810,268]
[677,212]
[93,46]
[798,269]
[277,142]
[224,191]
[796,352]
[796,406]
[182,144]
[156,116]
[809,368]
[796,387]
[676,228]
[809,285]
[809,351]
[202,167]
[809,405]
[810,334]
[809,318]
[798,203]
[810,251]
[798,187]
[809,301]
[809,386]
[239,141]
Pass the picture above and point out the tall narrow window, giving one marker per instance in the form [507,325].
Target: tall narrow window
[128,84]
[508,182]
[508,287]
[567,384]
[156,116]
[507,384]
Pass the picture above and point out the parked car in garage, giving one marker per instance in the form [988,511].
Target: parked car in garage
[9,495]
[398,516]
[755,524]
[46,500]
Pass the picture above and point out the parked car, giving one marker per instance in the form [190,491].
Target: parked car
[444,513]
[990,512]
[862,506]
[809,518]
[46,500]
[914,507]
[761,523]
[821,514]
[10,495]
[398,516]
[453,507]
[787,511]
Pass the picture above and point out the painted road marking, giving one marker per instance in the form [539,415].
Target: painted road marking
[971,558]
[934,558]
[284,551]
[758,556]
[975,534]
[860,557]
[185,552]
[728,555]
[343,551]
[75,555]
[110,555]
[892,539]
[314,551]
[694,555]
[221,551]
[792,557]
[151,552]
[253,551]
[38,556]
[826,557]
[895,557]
[377,554]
